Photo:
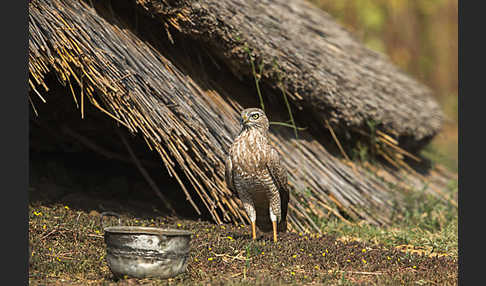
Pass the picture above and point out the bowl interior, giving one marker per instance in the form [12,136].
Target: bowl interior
[147,230]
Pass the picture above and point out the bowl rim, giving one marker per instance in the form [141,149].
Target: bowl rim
[147,230]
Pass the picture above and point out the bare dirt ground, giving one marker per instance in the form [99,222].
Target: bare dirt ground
[69,249]
[67,195]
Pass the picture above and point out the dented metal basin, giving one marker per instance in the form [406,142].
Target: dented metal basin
[146,251]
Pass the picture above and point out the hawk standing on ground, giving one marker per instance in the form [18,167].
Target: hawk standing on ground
[254,171]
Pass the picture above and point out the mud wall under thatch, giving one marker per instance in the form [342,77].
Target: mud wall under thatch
[171,90]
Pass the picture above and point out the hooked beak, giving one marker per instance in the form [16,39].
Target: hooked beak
[244,119]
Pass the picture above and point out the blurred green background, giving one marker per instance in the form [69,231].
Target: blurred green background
[419,36]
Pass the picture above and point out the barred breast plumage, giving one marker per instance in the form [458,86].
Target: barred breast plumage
[254,171]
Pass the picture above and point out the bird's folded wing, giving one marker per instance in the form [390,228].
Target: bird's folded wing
[279,175]
[228,174]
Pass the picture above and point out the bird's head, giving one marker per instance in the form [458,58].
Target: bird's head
[254,118]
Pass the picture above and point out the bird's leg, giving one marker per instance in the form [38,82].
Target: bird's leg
[253,230]
[250,210]
[273,218]
[274,224]
[275,214]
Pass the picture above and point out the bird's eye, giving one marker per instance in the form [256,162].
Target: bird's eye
[255,116]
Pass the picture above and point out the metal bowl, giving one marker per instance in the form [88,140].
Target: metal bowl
[143,252]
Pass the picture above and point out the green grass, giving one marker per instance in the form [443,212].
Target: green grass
[428,223]
[69,247]
[69,250]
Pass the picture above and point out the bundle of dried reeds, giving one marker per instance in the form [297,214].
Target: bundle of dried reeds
[323,68]
[191,128]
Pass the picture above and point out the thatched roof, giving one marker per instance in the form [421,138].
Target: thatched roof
[190,118]
[323,68]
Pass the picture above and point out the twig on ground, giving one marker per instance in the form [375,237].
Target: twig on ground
[361,272]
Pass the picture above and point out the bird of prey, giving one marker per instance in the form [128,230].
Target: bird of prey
[253,170]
